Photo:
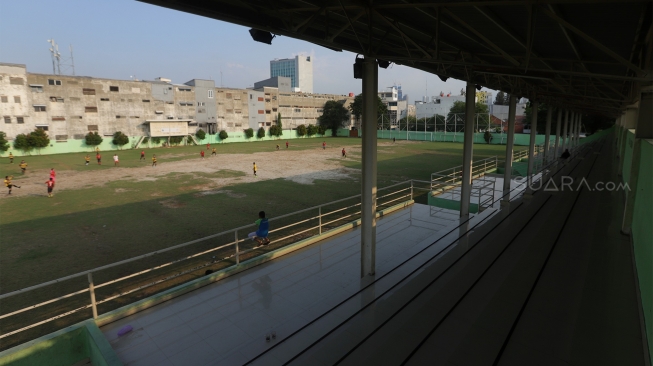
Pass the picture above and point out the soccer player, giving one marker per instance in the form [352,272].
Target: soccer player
[11,158]
[97,149]
[214,152]
[154,160]
[202,153]
[261,234]
[116,162]
[23,166]
[286,144]
[277,147]
[344,153]
[208,146]
[8,183]
[99,158]
[50,185]
[323,145]
[142,155]
[53,175]
[255,169]
[87,159]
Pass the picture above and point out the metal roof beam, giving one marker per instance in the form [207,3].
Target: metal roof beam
[396,28]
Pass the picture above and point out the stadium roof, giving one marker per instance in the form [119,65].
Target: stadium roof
[586,55]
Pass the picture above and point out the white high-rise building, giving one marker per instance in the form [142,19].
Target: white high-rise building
[298,69]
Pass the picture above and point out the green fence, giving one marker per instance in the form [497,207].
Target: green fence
[479,138]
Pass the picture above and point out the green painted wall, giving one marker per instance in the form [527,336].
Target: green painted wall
[450,204]
[642,236]
[64,348]
[628,155]
[80,145]
[497,138]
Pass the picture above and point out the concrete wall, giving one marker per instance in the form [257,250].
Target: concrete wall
[205,103]
[280,82]
[440,105]
[256,109]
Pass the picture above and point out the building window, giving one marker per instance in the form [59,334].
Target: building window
[90,109]
[297,110]
[7,119]
[56,99]
[250,96]
[146,100]
[118,116]
[36,88]
[267,111]
[113,89]
[20,120]
[54,82]
[16,81]
[4,99]
[88,91]
[165,90]
[260,99]
[200,104]
[104,99]
[42,127]
[58,118]
[39,108]
[93,128]
[228,95]
[16,99]
[260,111]
[210,95]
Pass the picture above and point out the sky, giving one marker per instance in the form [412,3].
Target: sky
[119,39]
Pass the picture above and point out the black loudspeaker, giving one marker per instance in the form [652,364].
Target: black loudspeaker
[261,36]
[358,68]
[383,64]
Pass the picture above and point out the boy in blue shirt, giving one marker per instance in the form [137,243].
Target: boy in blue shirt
[261,235]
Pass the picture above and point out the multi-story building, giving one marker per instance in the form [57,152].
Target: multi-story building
[299,69]
[69,107]
[397,107]
[437,105]
[484,97]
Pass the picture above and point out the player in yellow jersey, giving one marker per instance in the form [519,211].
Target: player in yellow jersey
[23,166]
[8,183]
[87,158]
[214,152]
[154,160]
[255,169]
[11,158]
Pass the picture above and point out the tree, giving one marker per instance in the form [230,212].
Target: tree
[200,134]
[261,133]
[120,139]
[541,116]
[311,130]
[249,133]
[4,144]
[333,117]
[501,99]
[321,130]
[301,130]
[21,143]
[356,107]
[176,140]
[93,139]
[279,122]
[456,116]
[275,131]
[223,135]
[38,139]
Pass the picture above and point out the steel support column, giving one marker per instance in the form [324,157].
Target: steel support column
[630,122]
[565,133]
[643,130]
[368,189]
[507,174]
[468,150]
[556,150]
[547,134]
[531,144]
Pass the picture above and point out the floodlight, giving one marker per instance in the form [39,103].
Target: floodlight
[479,87]
[261,36]
[443,78]
[383,64]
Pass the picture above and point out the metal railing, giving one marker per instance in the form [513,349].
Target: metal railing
[117,281]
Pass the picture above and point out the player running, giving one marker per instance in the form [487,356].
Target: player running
[214,152]
[202,153]
[277,147]
[99,158]
[87,158]
[286,144]
[344,153]
[50,185]
[323,145]
[53,175]
[11,158]
[116,162]
[154,160]
[142,155]
[23,166]
[255,169]
[8,183]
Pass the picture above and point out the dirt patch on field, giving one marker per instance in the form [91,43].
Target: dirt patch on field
[172,203]
[226,191]
[301,166]
[122,190]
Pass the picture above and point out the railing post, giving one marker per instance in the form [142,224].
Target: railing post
[319,215]
[237,250]
[91,290]
[411,189]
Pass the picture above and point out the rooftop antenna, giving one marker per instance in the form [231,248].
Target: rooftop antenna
[221,77]
[68,64]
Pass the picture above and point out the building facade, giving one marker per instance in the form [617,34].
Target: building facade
[299,69]
[280,82]
[437,105]
[69,107]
